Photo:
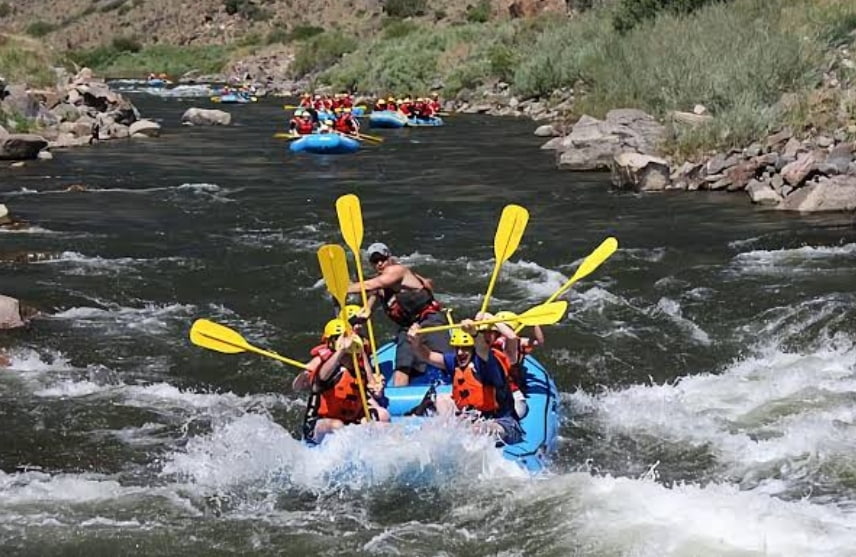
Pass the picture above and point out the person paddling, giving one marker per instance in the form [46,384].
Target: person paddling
[479,386]
[407,298]
[513,350]
[335,400]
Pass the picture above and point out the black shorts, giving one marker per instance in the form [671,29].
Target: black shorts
[405,361]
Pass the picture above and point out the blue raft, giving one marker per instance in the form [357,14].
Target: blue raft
[540,425]
[434,121]
[387,119]
[158,82]
[233,98]
[324,143]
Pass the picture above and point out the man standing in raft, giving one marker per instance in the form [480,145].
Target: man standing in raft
[407,298]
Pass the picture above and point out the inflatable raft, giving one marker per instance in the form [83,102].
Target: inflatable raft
[424,122]
[387,119]
[158,82]
[324,143]
[540,425]
[233,98]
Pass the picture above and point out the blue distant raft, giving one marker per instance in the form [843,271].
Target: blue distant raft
[233,98]
[158,82]
[325,144]
[387,119]
[434,121]
[540,425]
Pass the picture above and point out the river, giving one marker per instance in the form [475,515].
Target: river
[706,369]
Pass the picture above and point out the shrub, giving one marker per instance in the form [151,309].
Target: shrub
[173,60]
[405,8]
[40,28]
[26,61]
[247,9]
[395,28]
[479,13]
[321,51]
[303,32]
[5,9]
[277,35]
[126,44]
[631,12]
[112,5]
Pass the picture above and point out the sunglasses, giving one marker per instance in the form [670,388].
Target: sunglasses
[375,259]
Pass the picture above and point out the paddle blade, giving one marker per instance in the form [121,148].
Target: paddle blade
[334,270]
[545,314]
[603,252]
[351,221]
[214,336]
[512,223]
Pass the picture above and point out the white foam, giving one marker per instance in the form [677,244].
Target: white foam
[804,259]
[253,449]
[621,516]
[672,309]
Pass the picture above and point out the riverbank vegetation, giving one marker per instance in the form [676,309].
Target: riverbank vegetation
[24,60]
[126,57]
[736,58]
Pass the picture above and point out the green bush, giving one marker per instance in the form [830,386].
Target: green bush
[277,35]
[303,32]
[479,13]
[247,9]
[631,12]
[394,28]
[405,8]
[170,59]
[5,9]
[40,28]
[321,51]
[126,44]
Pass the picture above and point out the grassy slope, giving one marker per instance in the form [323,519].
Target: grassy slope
[25,60]
[737,59]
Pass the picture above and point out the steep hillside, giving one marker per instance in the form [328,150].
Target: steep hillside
[76,24]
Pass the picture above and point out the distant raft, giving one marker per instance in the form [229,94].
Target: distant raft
[325,144]
[233,98]
[433,121]
[387,119]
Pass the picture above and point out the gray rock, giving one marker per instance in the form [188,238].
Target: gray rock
[753,150]
[841,156]
[44,155]
[553,144]
[3,132]
[206,117]
[760,192]
[786,190]
[823,141]
[716,165]
[720,184]
[778,138]
[777,182]
[640,172]
[837,193]
[144,128]
[793,147]
[827,169]
[547,130]
[21,146]
[10,313]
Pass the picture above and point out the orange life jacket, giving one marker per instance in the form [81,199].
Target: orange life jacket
[341,400]
[469,392]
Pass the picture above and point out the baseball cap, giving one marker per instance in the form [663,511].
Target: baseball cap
[378,248]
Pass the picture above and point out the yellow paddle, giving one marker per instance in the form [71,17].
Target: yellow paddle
[351,223]
[545,314]
[334,269]
[286,135]
[220,338]
[587,267]
[370,137]
[512,223]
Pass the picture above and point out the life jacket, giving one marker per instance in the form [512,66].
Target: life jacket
[304,126]
[469,392]
[407,307]
[391,106]
[347,102]
[510,369]
[406,109]
[306,103]
[339,397]
[343,124]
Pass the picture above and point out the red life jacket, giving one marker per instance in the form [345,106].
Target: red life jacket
[305,126]
[405,108]
[347,102]
[341,399]
[469,392]
[343,124]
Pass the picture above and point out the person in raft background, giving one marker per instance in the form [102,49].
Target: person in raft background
[479,386]
[407,298]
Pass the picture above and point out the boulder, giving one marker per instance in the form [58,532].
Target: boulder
[205,117]
[778,138]
[690,118]
[144,128]
[763,193]
[3,132]
[640,172]
[547,130]
[840,157]
[10,313]
[21,146]
[837,193]
[740,174]
[593,143]
[794,173]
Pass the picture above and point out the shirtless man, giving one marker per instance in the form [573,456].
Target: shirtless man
[407,298]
